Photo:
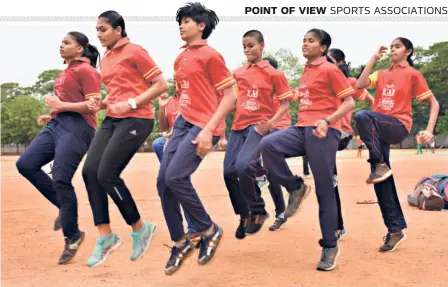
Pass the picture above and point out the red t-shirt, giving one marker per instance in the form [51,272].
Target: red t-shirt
[77,83]
[395,88]
[127,71]
[321,89]
[200,73]
[360,94]
[172,110]
[257,87]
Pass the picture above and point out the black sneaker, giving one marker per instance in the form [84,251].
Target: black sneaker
[381,173]
[241,230]
[178,255]
[57,223]
[391,241]
[70,249]
[208,245]
[296,199]
[279,221]
[256,222]
[328,259]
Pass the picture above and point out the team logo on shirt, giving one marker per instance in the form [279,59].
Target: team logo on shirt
[60,79]
[304,96]
[387,101]
[251,103]
[184,98]
[58,89]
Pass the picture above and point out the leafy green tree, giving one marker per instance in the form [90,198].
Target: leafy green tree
[10,91]
[19,117]
[45,83]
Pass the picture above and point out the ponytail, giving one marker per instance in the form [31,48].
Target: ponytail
[411,63]
[409,46]
[345,68]
[91,53]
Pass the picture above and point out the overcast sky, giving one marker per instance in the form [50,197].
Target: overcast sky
[28,49]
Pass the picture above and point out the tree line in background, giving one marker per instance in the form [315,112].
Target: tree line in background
[20,106]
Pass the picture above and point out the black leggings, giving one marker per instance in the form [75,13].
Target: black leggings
[112,148]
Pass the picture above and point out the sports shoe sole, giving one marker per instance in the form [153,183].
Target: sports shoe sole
[202,261]
[305,195]
[380,179]
[332,267]
[261,227]
[170,271]
[274,227]
[398,243]
[83,235]
[151,236]
[112,249]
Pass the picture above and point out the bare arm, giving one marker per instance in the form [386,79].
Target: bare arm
[282,110]
[370,100]
[80,107]
[433,113]
[228,103]
[348,104]
[158,87]
[364,81]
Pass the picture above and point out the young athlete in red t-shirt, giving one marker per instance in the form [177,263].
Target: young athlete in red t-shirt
[322,88]
[390,122]
[66,137]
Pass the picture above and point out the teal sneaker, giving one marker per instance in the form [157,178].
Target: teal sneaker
[142,239]
[104,246]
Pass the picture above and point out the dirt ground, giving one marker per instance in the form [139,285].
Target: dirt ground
[288,257]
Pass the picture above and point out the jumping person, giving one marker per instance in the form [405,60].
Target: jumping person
[258,84]
[390,123]
[202,77]
[322,88]
[132,80]
[338,58]
[168,112]
[67,136]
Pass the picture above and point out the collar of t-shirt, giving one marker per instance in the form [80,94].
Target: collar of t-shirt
[403,64]
[123,41]
[198,43]
[262,64]
[317,62]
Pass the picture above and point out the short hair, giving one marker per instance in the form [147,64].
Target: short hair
[254,34]
[199,14]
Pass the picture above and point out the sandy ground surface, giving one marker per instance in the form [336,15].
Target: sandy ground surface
[30,249]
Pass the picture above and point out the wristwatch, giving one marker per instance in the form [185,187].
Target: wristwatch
[327,120]
[132,103]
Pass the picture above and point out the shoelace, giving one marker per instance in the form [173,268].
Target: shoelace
[97,252]
[136,240]
[174,251]
[202,244]
[278,222]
